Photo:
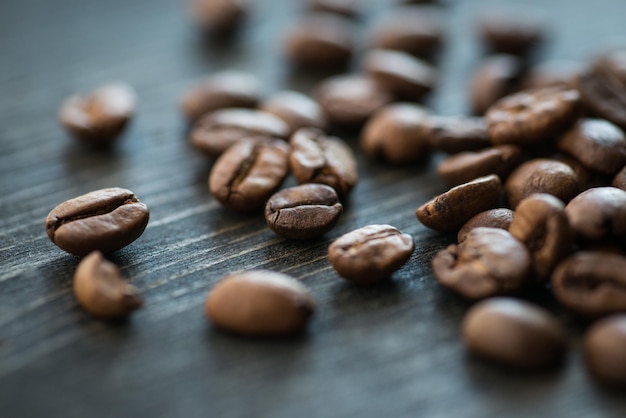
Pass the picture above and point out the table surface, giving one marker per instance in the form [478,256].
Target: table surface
[385,350]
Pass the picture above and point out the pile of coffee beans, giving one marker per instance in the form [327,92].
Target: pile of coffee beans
[537,176]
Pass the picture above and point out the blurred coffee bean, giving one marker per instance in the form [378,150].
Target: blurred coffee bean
[453,134]
[345,8]
[468,165]
[219,15]
[510,32]
[553,73]
[605,350]
[598,213]
[495,77]
[296,109]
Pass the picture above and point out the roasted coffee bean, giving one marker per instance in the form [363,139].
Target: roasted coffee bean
[219,15]
[597,144]
[488,262]
[541,224]
[259,303]
[104,220]
[370,254]
[450,210]
[468,165]
[553,73]
[249,172]
[511,32]
[532,116]
[453,134]
[215,132]
[598,213]
[514,333]
[405,76]
[303,212]
[219,91]
[619,180]
[591,283]
[319,41]
[100,288]
[587,178]
[349,100]
[398,134]
[99,117]
[345,8]
[493,218]
[414,30]
[496,77]
[541,175]
[296,109]
[318,158]
[605,350]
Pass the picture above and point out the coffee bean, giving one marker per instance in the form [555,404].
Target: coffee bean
[398,134]
[553,73]
[318,158]
[249,172]
[259,303]
[514,333]
[495,77]
[591,283]
[219,16]
[597,144]
[319,41]
[104,220]
[219,91]
[598,213]
[541,176]
[587,178]
[450,210]
[296,109]
[605,350]
[511,32]
[493,218]
[344,8]
[100,288]
[619,180]
[488,262]
[99,117]
[349,100]
[405,76]
[532,116]
[541,224]
[303,212]
[453,134]
[370,254]
[215,132]
[468,165]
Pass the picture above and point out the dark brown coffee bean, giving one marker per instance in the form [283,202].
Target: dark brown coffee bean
[541,224]
[605,350]
[414,30]
[553,73]
[493,218]
[303,212]
[511,33]
[466,166]
[450,210]
[259,303]
[532,116]
[319,41]
[219,15]
[104,220]
[541,176]
[496,77]
[349,100]
[488,262]
[405,76]
[586,177]
[297,109]
[597,144]
[598,213]
[398,134]
[514,333]
[249,172]
[100,288]
[591,283]
[219,91]
[215,132]
[345,8]
[318,158]
[453,134]
[370,254]
[619,180]
[99,117]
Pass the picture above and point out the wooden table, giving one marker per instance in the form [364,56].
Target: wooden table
[388,350]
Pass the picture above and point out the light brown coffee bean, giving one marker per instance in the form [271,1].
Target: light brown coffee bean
[259,303]
[450,210]
[102,291]
[219,15]
[466,166]
[493,218]
[370,254]
[514,333]
[598,213]
[296,109]
[511,32]
[453,134]
[495,77]
[249,172]
[488,262]
[605,350]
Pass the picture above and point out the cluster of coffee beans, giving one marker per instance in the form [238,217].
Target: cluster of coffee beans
[538,179]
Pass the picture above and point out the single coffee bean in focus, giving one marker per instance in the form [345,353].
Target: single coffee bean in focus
[598,213]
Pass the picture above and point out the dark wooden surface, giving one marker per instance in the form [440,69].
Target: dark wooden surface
[387,350]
